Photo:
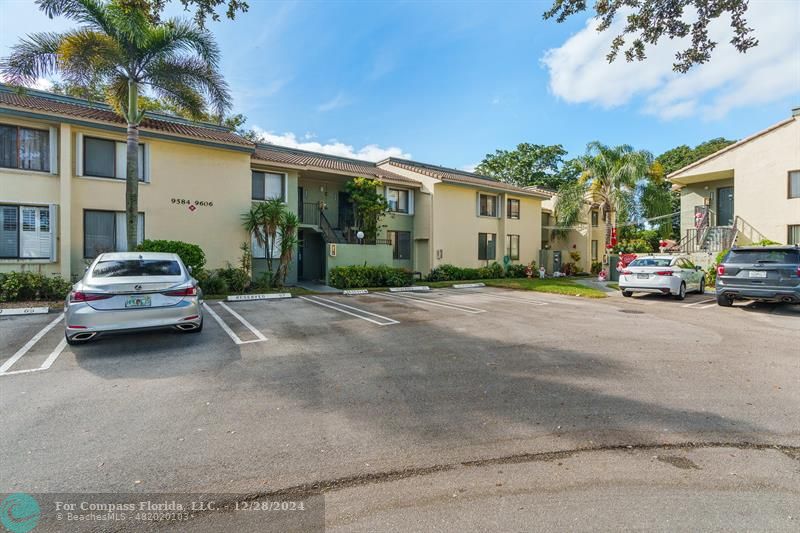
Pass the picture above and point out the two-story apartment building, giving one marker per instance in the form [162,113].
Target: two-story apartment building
[588,238]
[745,192]
[62,183]
[472,220]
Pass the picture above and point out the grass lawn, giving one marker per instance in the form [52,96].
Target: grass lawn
[565,286]
[614,286]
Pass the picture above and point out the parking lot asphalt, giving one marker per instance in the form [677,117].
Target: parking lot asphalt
[276,394]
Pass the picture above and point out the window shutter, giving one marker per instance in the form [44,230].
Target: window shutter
[53,145]
[53,232]
[477,204]
[79,154]
[122,160]
[411,194]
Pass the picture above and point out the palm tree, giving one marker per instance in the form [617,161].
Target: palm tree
[609,178]
[263,221]
[121,45]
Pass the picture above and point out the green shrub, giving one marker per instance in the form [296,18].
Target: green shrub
[633,246]
[212,283]
[360,276]
[191,254]
[454,273]
[237,279]
[597,267]
[493,271]
[21,286]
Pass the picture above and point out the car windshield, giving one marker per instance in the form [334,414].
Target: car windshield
[136,267]
[763,256]
[651,262]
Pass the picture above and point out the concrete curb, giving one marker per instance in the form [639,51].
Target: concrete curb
[413,288]
[468,285]
[354,292]
[15,311]
[249,297]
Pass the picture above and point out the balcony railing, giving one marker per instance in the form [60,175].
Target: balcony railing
[309,214]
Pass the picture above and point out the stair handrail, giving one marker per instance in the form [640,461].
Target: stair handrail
[745,228]
[327,230]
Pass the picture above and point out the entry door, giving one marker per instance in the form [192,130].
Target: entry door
[300,254]
[557,261]
[725,206]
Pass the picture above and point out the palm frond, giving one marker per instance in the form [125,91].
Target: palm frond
[89,12]
[86,54]
[568,208]
[32,58]
[180,36]
[169,75]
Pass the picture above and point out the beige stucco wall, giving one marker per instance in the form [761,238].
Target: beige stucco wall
[760,170]
[456,227]
[578,239]
[178,170]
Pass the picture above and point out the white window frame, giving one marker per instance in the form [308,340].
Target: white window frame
[120,159]
[119,229]
[284,177]
[410,199]
[497,207]
[40,241]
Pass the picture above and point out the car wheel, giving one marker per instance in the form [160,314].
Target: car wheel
[724,300]
[627,294]
[681,292]
[702,285]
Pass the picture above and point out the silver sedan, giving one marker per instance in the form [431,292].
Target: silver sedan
[133,291]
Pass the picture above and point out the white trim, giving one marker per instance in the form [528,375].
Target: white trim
[53,232]
[121,156]
[24,311]
[79,154]
[147,165]
[53,146]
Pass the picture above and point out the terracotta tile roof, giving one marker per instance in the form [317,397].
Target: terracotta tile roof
[281,155]
[459,176]
[54,104]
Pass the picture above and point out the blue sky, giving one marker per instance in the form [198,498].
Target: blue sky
[447,82]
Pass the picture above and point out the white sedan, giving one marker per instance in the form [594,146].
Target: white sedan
[665,274]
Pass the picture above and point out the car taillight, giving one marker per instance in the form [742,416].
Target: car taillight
[188,291]
[664,273]
[798,271]
[626,272]
[721,270]
[80,296]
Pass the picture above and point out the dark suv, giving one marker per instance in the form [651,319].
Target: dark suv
[764,273]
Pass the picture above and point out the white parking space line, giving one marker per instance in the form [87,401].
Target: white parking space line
[47,364]
[510,298]
[247,324]
[338,306]
[428,301]
[234,337]
[700,302]
[28,345]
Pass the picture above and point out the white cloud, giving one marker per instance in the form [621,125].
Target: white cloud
[469,168]
[579,72]
[370,152]
[340,100]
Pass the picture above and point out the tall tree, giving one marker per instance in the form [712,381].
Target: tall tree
[609,178]
[118,46]
[650,20]
[204,9]
[530,164]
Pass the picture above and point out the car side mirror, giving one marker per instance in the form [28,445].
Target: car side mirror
[190,269]
[698,268]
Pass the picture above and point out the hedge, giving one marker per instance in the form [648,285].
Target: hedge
[22,286]
[191,254]
[361,276]
[495,270]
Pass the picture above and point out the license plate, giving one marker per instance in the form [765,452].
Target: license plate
[642,276]
[137,301]
[757,274]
